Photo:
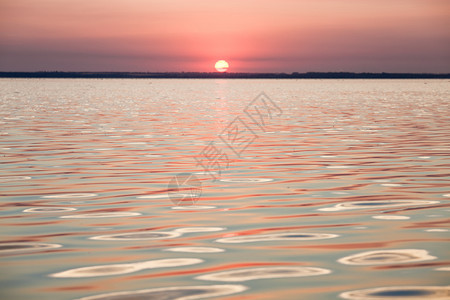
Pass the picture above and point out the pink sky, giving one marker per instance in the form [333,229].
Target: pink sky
[252,35]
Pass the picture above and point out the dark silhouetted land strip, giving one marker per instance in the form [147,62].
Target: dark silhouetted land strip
[295,75]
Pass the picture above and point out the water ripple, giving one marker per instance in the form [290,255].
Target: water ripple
[277,237]
[13,178]
[172,293]
[376,204]
[23,247]
[137,236]
[246,180]
[399,292]
[390,217]
[263,273]
[117,269]
[391,256]
[102,215]
[49,209]
[194,207]
[198,229]
[74,195]
[196,249]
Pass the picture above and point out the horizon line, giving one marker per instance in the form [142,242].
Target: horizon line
[215,72]
[217,75]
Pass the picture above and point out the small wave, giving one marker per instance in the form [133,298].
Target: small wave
[389,217]
[102,215]
[13,178]
[194,207]
[173,293]
[21,247]
[399,292]
[74,195]
[263,273]
[117,269]
[48,209]
[379,257]
[199,229]
[376,204]
[196,249]
[246,180]
[277,237]
[137,236]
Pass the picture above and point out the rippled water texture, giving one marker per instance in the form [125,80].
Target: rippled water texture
[343,193]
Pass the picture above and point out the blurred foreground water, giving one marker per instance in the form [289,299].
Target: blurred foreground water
[343,194]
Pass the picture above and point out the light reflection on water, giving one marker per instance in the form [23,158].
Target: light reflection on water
[350,182]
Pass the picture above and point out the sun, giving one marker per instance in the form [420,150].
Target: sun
[221,66]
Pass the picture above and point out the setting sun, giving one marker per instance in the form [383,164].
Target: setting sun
[221,66]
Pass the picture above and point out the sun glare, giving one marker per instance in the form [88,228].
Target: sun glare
[221,66]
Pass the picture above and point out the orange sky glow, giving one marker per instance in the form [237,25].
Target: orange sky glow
[252,35]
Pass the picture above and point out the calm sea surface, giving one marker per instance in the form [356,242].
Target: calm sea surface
[318,189]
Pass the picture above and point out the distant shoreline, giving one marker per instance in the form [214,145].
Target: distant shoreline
[215,75]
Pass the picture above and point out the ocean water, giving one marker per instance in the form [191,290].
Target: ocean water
[224,189]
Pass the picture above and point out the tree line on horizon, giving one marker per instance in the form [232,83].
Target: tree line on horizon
[294,75]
